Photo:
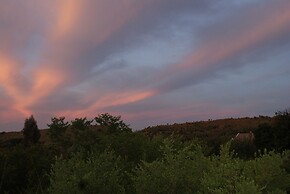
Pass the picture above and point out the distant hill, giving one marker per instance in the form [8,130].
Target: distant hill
[7,138]
[213,131]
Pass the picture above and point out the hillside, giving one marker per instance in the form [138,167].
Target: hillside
[214,131]
[218,127]
[7,138]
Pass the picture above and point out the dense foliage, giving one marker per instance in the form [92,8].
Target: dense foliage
[276,136]
[25,169]
[181,169]
[94,173]
[104,156]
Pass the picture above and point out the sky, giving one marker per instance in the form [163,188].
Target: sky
[151,61]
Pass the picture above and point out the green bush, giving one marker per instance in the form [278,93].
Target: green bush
[94,173]
[225,175]
[179,171]
[267,171]
[228,174]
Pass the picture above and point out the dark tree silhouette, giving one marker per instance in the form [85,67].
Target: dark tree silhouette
[57,128]
[265,137]
[282,125]
[276,135]
[112,123]
[81,123]
[30,131]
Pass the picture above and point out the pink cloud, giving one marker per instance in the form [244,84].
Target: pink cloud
[73,38]
[108,100]
[71,20]
[9,76]
[66,18]
[40,85]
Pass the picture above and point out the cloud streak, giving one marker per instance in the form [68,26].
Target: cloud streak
[76,58]
[213,55]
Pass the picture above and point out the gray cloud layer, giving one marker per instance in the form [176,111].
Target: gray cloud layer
[78,59]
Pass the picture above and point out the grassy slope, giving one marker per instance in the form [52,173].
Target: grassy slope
[219,131]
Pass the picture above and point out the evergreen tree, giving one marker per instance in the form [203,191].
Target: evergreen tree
[30,131]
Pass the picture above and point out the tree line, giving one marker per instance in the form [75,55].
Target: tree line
[104,155]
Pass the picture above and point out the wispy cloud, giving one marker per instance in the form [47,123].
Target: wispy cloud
[76,58]
[225,49]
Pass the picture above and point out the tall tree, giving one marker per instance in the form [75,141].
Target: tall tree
[112,123]
[57,128]
[30,131]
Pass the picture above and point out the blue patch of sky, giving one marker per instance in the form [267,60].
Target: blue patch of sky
[160,51]
[256,82]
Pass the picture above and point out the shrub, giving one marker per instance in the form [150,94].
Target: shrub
[179,171]
[94,173]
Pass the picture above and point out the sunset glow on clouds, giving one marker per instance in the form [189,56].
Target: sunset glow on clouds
[152,62]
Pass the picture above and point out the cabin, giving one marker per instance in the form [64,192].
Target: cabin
[242,137]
